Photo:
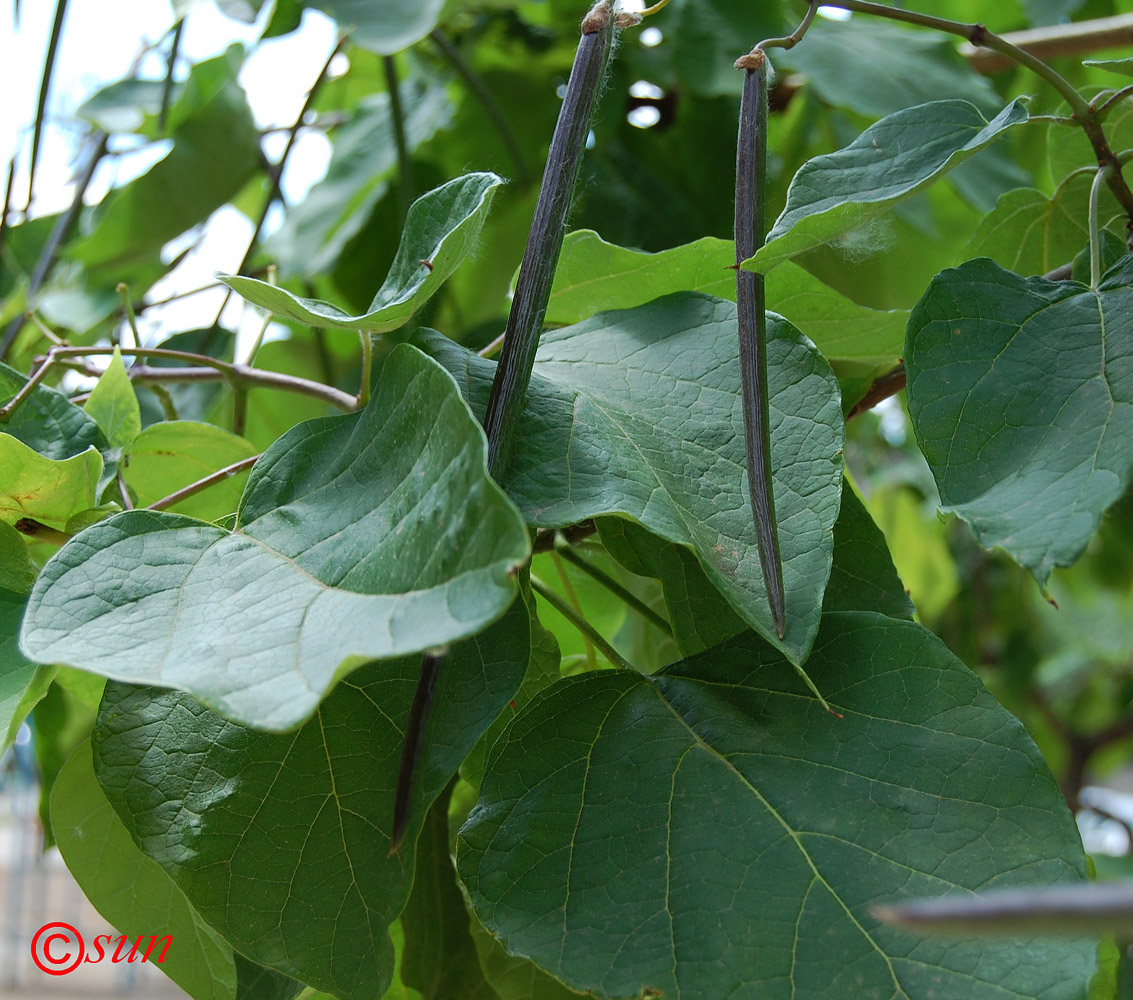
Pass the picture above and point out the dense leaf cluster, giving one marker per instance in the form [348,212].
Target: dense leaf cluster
[633,780]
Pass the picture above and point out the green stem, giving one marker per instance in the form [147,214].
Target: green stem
[167,85]
[796,36]
[405,185]
[367,342]
[1112,101]
[751,303]
[491,108]
[123,291]
[8,189]
[580,623]
[573,601]
[1095,235]
[41,532]
[562,548]
[979,36]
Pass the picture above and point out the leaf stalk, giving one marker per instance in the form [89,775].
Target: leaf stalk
[580,623]
[563,548]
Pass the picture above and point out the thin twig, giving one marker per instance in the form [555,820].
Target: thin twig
[491,107]
[562,548]
[492,349]
[574,602]
[580,623]
[547,538]
[979,36]
[203,483]
[889,384]
[167,85]
[44,89]
[405,186]
[212,370]
[8,188]
[796,36]
[55,241]
[1112,101]
[1057,40]
[276,174]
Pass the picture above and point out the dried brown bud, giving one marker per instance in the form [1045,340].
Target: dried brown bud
[597,19]
[754,60]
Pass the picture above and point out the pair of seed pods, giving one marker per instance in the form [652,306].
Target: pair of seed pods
[529,306]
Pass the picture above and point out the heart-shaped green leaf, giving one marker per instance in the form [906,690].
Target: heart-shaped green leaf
[1020,393]
[216,151]
[45,489]
[132,891]
[48,422]
[891,160]
[594,275]
[347,549]
[590,851]
[281,841]
[440,231]
[638,413]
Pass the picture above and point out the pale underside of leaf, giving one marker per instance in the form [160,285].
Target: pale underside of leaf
[895,158]
[343,554]
[440,231]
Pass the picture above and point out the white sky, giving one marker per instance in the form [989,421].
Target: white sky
[101,40]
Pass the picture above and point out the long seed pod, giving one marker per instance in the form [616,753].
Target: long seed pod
[751,300]
[524,324]
[537,271]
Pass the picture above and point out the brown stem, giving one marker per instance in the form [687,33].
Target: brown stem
[1056,40]
[889,384]
[276,173]
[236,374]
[978,36]
[203,483]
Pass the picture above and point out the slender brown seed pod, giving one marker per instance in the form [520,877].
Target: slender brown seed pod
[751,301]
[524,324]
[533,287]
